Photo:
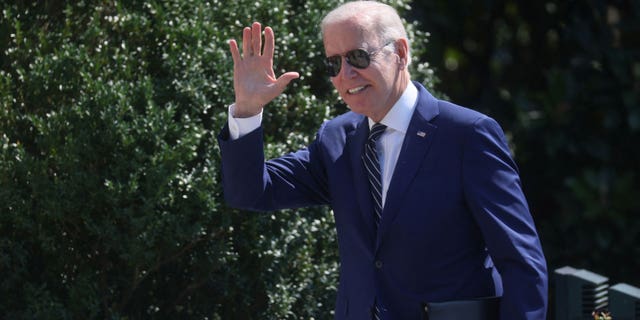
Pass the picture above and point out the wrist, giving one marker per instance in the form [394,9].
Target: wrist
[244,111]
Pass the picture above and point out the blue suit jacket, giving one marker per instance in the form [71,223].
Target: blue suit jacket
[455,212]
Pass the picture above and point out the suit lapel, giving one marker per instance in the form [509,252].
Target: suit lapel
[417,142]
[355,144]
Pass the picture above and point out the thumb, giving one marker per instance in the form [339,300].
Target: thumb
[285,79]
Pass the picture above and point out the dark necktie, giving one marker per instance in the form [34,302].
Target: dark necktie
[372,166]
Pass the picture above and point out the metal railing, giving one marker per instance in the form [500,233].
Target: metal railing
[581,294]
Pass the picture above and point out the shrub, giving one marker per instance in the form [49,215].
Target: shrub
[110,202]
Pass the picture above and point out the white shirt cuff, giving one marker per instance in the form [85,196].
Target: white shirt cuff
[238,127]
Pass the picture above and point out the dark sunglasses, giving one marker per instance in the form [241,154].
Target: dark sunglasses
[358,58]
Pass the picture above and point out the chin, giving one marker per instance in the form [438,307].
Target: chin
[357,104]
[357,108]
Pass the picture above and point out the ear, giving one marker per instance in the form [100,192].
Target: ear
[402,51]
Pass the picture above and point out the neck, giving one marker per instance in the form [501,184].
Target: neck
[401,85]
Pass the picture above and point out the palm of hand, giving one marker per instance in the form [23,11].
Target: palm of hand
[255,82]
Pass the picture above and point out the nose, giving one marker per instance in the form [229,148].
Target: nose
[347,70]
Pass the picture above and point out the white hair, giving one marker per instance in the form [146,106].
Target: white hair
[382,20]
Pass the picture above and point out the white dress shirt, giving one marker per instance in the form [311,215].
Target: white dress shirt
[388,145]
[390,142]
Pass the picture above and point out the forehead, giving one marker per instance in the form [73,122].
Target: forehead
[340,37]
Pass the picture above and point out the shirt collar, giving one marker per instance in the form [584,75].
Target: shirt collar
[399,116]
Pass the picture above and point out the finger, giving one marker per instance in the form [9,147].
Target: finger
[269,43]
[235,54]
[246,42]
[256,38]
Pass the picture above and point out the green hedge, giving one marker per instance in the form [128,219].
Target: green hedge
[110,202]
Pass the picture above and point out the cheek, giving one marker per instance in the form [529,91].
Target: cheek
[337,85]
[334,81]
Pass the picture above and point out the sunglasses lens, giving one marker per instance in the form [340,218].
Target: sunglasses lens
[358,58]
[333,65]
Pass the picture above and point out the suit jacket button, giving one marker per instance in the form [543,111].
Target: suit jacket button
[379,264]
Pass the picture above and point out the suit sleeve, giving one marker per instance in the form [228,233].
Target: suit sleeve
[494,194]
[249,182]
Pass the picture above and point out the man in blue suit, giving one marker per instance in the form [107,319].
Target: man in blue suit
[429,210]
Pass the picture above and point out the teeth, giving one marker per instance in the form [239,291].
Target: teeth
[355,90]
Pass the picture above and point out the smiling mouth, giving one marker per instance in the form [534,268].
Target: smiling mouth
[356,90]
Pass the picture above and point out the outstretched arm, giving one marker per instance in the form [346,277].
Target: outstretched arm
[254,81]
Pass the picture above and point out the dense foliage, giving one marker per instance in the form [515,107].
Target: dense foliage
[110,202]
[563,78]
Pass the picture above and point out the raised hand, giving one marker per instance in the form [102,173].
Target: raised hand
[254,81]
